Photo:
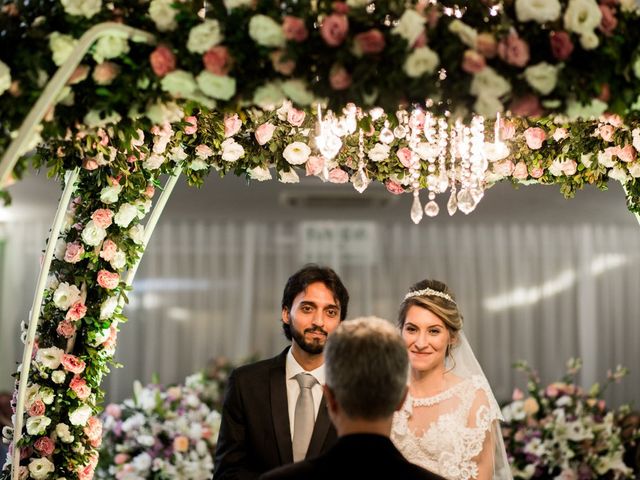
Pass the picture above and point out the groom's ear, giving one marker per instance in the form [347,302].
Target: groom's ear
[332,404]
[285,316]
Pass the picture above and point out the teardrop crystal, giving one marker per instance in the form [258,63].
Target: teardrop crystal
[360,181]
[431,209]
[416,210]
[466,203]
[452,204]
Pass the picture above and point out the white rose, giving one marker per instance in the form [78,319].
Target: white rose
[540,11]
[410,26]
[297,91]
[50,358]
[64,433]
[37,425]
[126,213]
[178,83]
[52,282]
[589,41]
[40,468]
[556,168]
[288,177]
[591,110]
[268,96]
[465,33]
[618,173]
[296,153]
[487,106]
[96,118]
[488,83]
[204,36]
[606,159]
[582,16]
[119,260]
[221,87]
[586,159]
[111,46]
[61,46]
[629,6]
[143,207]
[80,415]
[65,296]
[260,174]
[266,31]
[634,169]
[108,307]
[163,14]
[153,162]
[160,113]
[86,8]
[542,77]
[420,61]
[109,195]
[231,150]
[5,77]
[92,234]
[231,4]
[379,152]
[101,337]
[58,376]
[47,395]
[141,462]
[635,134]
[60,249]
[198,164]
[178,154]
[136,233]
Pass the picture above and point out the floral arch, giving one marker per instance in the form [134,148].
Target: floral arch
[190,86]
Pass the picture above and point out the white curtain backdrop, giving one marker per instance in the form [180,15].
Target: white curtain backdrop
[534,292]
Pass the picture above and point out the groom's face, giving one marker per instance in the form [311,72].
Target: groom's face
[314,314]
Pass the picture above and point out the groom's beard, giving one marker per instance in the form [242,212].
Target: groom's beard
[314,346]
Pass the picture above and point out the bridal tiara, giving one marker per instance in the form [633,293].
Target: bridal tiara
[429,291]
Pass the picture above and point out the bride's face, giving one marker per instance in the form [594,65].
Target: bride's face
[426,337]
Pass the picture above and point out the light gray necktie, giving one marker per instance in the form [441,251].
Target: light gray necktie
[304,417]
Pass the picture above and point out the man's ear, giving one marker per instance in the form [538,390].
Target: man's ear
[332,404]
[285,315]
[404,397]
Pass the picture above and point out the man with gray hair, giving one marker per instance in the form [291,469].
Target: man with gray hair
[366,382]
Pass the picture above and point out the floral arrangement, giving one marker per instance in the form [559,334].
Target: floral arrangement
[160,433]
[560,431]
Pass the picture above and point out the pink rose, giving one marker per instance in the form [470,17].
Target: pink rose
[417,119]
[109,249]
[337,175]
[102,217]
[340,7]
[295,117]
[149,191]
[73,253]
[536,172]
[370,42]
[504,168]
[162,60]
[507,129]
[393,187]
[473,62]
[552,391]
[108,280]
[569,167]
[534,136]
[79,74]
[232,125]
[627,153]
[204,151]
[44,445]
[93,428]
[113,410]
[334,29]
[37,408]
[560,134]
[264,133]
[76,312]
[217,60]
[281,63]
[314,165]
[104,73]
[66,329]
[606,132]
[90,164]
[517,395]
[609,21]
[72,364]
[526,106]
[339,78]
[513,50]
[80,387]
[612,118]
[486,44]
[294,29]
[421,41]
[405,155]
[110,343]
[86,472]
[561,44]
[520,171]
[605,93]
[121,458]
[192,128]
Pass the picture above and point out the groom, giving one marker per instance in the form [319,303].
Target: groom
[274,411]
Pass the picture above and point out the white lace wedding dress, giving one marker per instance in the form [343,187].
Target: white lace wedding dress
[446,433]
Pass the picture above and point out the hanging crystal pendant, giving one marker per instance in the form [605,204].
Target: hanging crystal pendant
[431,209]
[452,204]
[360,180]
[416,209]
[443,180]
[399,131]
[466,203]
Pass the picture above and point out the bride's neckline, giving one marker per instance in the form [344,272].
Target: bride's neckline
[438,397]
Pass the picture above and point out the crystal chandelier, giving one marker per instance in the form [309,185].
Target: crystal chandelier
[440,155]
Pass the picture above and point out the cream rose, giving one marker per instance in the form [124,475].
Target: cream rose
[110,194]
[468,35]
[58,376]
[260,174]
[420,61]
[288,177]
[40,468]
[540,11]
[297,91]
[410,26]
[92,234]
[5,77]
[221,87]
[268,96]
[111,46]
[487,106]
[379,152]
[108,307]
[119,260]
[163,14]
[266,31]
[204,36]
[80,415]
[136,233]
[37,425]
[582,16]
[489,84]
[296,153]
[126,213]
[179,83]
[65,295]
[85,8]
[231,150]
[50,357]
[591,110]
[64,433]
[61,46]
[543,77]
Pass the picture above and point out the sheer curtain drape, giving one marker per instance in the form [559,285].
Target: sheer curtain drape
[205,289]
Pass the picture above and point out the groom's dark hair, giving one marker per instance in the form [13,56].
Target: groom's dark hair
[312,273]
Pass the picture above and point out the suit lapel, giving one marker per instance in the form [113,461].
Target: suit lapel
[280,408]
[320,430]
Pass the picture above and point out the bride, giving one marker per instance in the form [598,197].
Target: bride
[449,423]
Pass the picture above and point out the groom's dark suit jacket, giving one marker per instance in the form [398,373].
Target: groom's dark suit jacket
[255,435]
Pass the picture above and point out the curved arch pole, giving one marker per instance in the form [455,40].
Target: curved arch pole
[35,315]
[56,84]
